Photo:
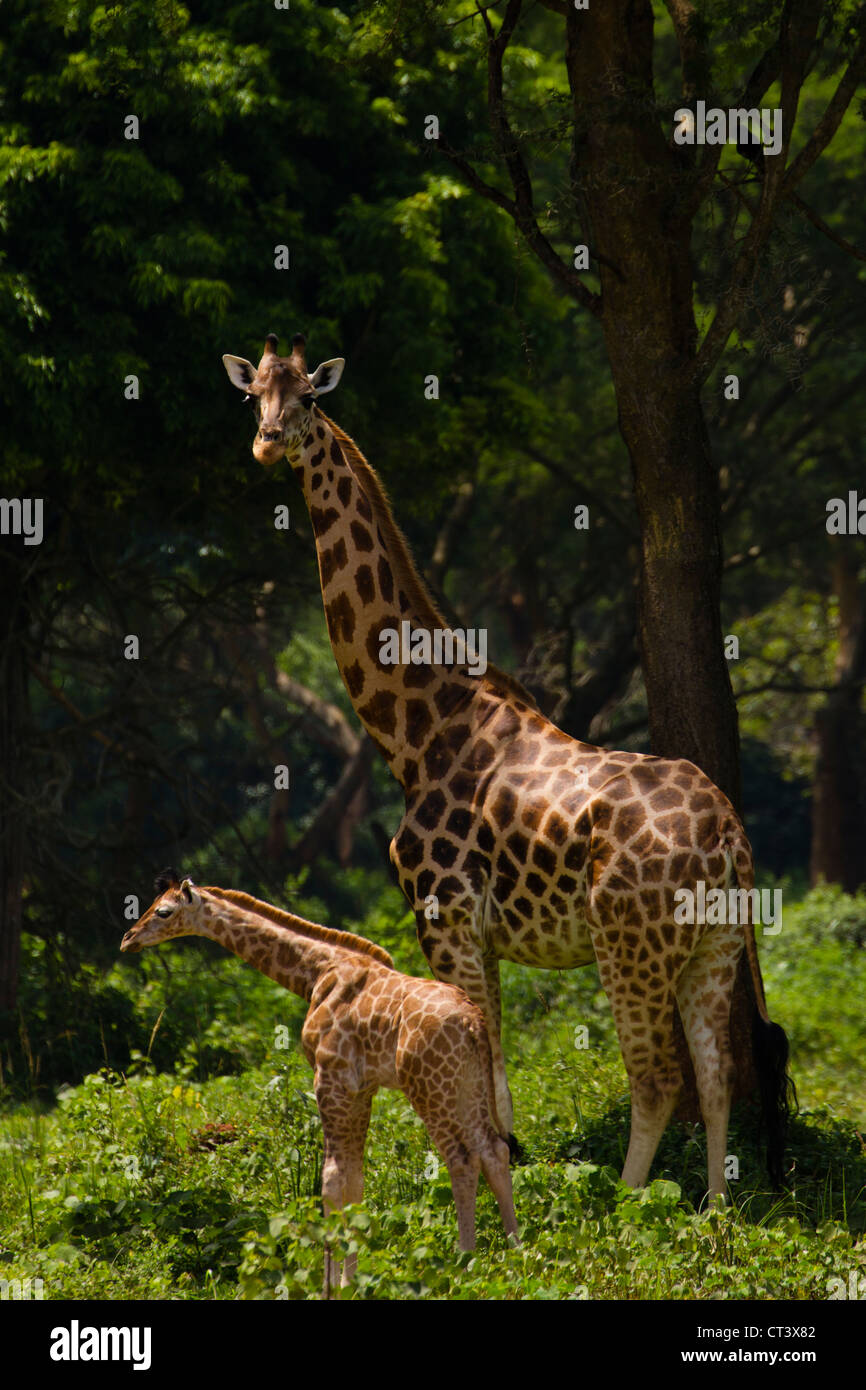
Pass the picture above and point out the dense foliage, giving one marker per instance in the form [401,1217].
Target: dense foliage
[149,257]
[128,266]
[190,1167]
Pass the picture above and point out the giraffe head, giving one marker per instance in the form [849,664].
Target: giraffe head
[176,911]
[284,393]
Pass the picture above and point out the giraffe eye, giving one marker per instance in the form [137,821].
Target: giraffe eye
[164,911]
[308,401]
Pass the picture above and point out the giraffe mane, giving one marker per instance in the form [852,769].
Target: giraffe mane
[346,940]
[405,569]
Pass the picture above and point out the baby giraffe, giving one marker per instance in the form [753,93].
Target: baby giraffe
[368,1026]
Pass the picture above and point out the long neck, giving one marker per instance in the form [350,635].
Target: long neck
[286,948]
[376,606]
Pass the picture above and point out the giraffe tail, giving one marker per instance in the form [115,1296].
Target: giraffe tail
[778,1093]
[478,1033]
[769,1043]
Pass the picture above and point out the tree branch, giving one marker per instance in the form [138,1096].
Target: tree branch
[831,119]
[326,822]
[764,74]
[799,28]
[333,728]
[535,238]
[520,208]
[788,60]
[559,471]
[693,54]
[819,222]
[441,557]
[756,552]
[783,688]
[807,423]
[65,703]
[487,190]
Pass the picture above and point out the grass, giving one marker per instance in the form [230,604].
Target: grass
[191,1168]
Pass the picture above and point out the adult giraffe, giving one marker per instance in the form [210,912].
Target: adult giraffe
[537,848]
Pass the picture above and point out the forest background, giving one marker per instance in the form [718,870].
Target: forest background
[146,258]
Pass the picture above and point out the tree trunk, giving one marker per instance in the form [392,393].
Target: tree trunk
[635,194]
[626,188]
[680,588]
[839,793]
[627,194]
[334,821]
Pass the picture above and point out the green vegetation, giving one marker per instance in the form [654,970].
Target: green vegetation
[154,1140]
[150,263]
[194,1171]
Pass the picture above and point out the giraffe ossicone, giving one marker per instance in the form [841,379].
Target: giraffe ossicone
[368,1025]
[536,847]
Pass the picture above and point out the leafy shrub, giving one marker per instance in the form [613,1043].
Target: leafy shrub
[827,909]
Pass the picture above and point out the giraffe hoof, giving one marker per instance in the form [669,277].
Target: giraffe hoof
[515,1150]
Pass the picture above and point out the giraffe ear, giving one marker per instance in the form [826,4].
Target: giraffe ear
[242,373]
[326,375]
[188,893]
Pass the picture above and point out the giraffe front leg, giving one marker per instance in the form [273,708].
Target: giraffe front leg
[345,1115]
[332,1200]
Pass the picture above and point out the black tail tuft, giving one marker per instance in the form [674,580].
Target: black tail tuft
[515,1149]
[778,1093]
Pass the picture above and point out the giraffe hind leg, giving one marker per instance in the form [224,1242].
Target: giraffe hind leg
[456,1117]
[654,1096]
[704,994]
[464,1169]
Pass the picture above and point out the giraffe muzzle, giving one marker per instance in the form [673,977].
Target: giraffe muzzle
[269,447]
